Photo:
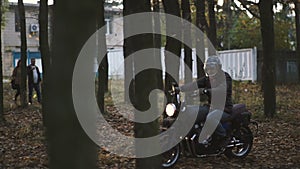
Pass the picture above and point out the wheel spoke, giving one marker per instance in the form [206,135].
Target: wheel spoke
[242,143]
[170,157]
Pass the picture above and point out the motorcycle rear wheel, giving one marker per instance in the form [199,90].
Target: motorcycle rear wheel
[241,149]
[171,156]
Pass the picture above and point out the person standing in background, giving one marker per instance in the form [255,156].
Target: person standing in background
[34,79]
[16,78]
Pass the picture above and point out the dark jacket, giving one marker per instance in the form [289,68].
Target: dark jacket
[30,69]
[16,75]
[215,85]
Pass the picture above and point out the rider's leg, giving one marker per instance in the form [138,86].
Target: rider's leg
[210,125]
[220,130]
[220,136]
[199,111]
[202,113]
[213,122]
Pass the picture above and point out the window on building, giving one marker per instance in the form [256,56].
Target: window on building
[108,26]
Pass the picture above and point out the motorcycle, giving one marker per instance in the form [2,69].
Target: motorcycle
[239,134]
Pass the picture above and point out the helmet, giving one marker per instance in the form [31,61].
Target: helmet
[212,65]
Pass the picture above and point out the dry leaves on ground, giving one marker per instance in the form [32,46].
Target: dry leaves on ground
[276,145]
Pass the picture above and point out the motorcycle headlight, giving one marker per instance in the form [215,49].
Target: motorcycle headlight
[170,109]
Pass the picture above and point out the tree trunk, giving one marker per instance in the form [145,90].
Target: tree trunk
[1,72]
[144,81]
[212,31]
[297,18]
[68,144]
[268,70]
[23,85]
[157,40]
[202,25]
[228,22]
[128,48]
[188,60]
[173,46]
[103,67]
[45,51]
[186,14]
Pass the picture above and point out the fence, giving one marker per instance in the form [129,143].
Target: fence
[240,64]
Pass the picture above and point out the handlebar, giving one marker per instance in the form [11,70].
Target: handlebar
[176,90]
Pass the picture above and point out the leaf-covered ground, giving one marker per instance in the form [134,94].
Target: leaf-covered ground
[276,145]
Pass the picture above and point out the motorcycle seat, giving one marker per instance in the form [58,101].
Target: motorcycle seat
[237,110]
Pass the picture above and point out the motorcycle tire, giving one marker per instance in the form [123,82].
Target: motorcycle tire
[171,156]
[241,149]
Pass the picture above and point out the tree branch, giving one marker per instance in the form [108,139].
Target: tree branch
[251,2]
[244,4]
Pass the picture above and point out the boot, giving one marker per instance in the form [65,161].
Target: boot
[222,142]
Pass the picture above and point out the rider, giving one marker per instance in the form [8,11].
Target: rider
[215,81]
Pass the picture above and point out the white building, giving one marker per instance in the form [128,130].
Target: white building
[11,34]
[11,40]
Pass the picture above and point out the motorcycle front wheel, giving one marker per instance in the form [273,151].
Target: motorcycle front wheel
[241,143]
[171,156]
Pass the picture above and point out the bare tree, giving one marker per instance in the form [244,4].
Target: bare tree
[128,49]
[228,21]
[145,81]
[203,26]
[103,66]
[1,72]
[267,33]
[265,15]
[188,60]
[45,51]
[172,45]
[68,144]
[186,14]
[212,29]
[157,39]
[297,18]
[23,85]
